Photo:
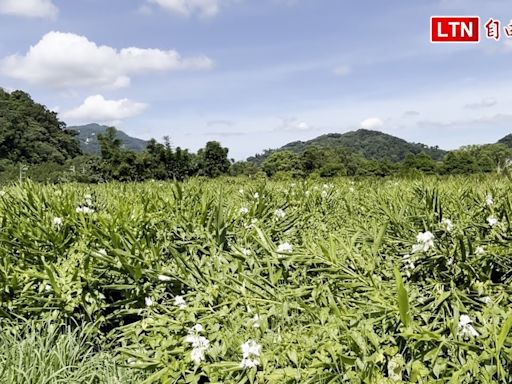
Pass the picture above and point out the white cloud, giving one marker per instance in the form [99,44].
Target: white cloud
[205,8]
[226,123]
[66,60]
[372,123]
[342,70]
[485,103]
[294,125]
[411,113]
[100,110]
[29,8]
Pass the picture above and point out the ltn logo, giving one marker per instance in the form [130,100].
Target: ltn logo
[455,29]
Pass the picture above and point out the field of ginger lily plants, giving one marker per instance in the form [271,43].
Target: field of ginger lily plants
[254,281]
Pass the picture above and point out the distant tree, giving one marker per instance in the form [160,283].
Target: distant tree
[212,161]
[182,165]
[110,144]
[243,168]
[156,160]
[118,163]
[312,158]
[421,162]
[490,156]
[282,161]
[459,162]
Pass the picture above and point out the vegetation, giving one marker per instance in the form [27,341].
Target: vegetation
[35,144]
[371,145]
[30,133]
[49,353]
[89,144]
[237,280]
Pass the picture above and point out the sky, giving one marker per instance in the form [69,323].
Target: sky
[257,74]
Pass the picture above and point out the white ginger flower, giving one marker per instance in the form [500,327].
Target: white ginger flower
[492,221]
[251,350]
[279,213]
[249,363]
[447,224]
[180,302]
[197,355]
[57,222]
[200,344]
[86,210]
[256,321]
[149,302]
[466,328]
[285,248]
[424,241]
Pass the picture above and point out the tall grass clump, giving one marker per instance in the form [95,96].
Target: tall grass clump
[49,353]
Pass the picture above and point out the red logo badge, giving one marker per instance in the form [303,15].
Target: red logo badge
[455,29]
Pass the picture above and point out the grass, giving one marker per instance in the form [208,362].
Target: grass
[46,353]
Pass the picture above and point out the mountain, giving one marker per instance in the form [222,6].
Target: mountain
[88,139]
[30,133]
[372,145]
[507,140]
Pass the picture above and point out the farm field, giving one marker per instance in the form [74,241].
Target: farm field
[238,280]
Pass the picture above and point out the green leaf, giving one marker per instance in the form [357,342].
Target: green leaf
[403,299]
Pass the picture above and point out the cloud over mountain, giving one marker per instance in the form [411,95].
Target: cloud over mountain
[97,108]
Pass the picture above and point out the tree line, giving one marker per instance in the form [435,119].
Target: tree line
[35,144]
[161,161]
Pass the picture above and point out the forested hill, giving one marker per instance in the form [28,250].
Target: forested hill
[372,145]
[31,133]
[507,140]
[88,139]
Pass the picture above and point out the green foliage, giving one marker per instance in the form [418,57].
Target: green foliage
[53,353]
[285,161]
[372,145]
[322,276]
[213,160]
[243,168]
[30,133]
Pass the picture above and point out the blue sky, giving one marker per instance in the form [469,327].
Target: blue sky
[256,74]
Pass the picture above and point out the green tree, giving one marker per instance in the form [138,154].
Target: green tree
[459,162]
[30,133]
[282,161]
[421,162]
[243,168]
[110,144]
[212,161]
